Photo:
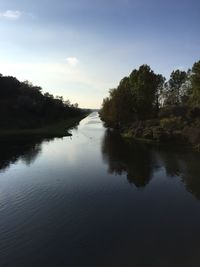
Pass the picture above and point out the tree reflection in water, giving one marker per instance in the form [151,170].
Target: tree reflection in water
[139,161]
[12,149]
[135,160]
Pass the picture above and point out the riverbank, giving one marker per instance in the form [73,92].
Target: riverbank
[58,129]
[154,132]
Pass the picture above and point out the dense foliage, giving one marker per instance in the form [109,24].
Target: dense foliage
[136,97]
[145,105]
[144,95]
[23,105]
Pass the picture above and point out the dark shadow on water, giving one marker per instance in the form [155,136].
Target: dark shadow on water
[139,161]
[26,149]
[135,160]
[182,163]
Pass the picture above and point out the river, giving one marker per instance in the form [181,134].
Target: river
[94,199]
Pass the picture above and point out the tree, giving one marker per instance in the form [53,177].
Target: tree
[144,87]
[23,105]
[135,98]
[105,112]
[124,103]
[159,98]
[174,87]
[186,89]
[195,80]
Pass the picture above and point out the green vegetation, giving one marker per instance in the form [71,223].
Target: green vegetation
[146,106]
[25,110]
[58,129]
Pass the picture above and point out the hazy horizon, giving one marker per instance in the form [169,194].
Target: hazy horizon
[79,49]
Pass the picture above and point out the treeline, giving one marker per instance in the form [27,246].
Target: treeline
[147,99]
[24,106]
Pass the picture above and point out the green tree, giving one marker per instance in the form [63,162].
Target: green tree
[105,112]
[23,105]
[144,87]
[174,87]
[124,103]
[195,80]
[136,98]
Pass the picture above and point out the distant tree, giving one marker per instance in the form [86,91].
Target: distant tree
[75,105]
[67,103]
[47,95]
[9,86]
[59,98]
[23,105]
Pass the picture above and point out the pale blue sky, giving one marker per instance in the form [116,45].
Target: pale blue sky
[81,48]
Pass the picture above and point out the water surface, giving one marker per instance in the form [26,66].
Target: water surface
[94,199]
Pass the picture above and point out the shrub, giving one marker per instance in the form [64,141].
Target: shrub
[172,123]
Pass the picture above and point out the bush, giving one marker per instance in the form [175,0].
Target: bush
[172,123]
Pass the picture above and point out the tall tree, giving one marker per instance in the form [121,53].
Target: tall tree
[174,87]
[144,87]
[118,108]
[159,96]
[136,98]
[195,80]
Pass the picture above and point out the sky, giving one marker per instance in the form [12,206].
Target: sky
[81,48]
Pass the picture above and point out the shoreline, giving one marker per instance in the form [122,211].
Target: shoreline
[177,143]
[57,129]
[159,136]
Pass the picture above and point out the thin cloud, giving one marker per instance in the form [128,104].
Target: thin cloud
[11,14]
[72,61]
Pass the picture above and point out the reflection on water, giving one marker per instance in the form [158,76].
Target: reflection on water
[14,149]
[139,161]
[98,200]
[135,160]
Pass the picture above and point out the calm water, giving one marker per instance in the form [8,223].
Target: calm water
[95,200]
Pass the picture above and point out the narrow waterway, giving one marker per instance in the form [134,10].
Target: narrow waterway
[94,199]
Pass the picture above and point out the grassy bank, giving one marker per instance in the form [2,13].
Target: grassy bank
[58,129]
